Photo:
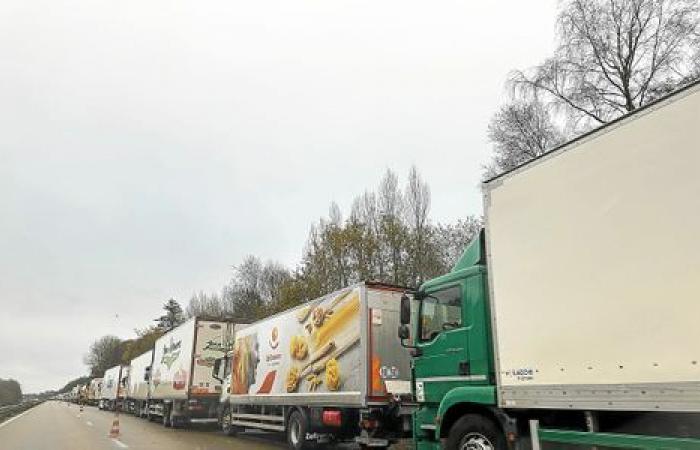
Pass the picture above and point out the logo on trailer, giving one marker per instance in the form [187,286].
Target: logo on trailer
[274,338]
[171,353]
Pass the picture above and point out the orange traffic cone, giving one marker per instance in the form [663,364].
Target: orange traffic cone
[114,432]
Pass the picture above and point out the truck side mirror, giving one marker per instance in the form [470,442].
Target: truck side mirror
[404,332]
[405,310]
[215,370]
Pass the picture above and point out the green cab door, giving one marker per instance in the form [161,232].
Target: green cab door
[443,344]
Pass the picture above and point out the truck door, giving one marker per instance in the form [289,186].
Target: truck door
[443,343]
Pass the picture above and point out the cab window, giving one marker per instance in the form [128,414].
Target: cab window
[440,311]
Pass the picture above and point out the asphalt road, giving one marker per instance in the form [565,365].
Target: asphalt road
[61,426]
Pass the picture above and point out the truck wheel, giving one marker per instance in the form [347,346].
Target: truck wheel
[226,426]
[475,432]
[176,421]
[296,432]
[166,416]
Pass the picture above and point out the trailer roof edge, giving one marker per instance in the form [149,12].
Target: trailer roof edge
[679,93]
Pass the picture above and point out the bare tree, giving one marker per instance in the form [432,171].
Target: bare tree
[451,239]
[614,56]
[203,304]
[104,353]
[520,131]
[417,201]
[391,207]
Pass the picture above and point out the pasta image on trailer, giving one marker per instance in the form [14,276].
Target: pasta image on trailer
[312,348]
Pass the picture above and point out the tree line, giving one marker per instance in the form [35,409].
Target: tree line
[10,392]
[387,236]
[109,351]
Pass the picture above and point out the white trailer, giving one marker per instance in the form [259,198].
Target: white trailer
[138,384]
[330,368]
[113,387]
[181,387]
[94,391]
[594,263]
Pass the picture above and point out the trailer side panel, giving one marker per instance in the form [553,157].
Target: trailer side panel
[311,354]
[594,257]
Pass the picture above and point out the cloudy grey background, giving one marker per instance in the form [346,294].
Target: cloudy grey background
[146,146]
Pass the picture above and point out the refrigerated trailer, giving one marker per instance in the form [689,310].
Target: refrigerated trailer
[181,389]
[330,368]
[113,389]
[94,391]
[577,306]
[137,384]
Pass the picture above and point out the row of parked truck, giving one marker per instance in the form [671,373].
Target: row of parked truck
[571,318]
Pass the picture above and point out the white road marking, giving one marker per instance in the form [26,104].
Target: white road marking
[120,443]
[12,419]
[88,423]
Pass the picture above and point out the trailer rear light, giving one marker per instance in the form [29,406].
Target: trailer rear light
[332,418]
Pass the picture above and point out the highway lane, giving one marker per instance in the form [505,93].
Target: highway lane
[61,426]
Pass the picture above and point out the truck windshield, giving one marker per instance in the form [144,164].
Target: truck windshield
[441,310]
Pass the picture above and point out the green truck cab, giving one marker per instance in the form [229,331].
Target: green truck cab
[453,364]
[560,324]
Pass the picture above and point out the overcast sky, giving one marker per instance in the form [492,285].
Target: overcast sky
[146,146]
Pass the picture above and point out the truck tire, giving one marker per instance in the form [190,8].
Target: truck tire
[166,416]
[177,421]
[296,431]
[226,426]
[475,432]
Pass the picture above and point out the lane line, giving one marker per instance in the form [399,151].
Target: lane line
[120,443]
[12,419]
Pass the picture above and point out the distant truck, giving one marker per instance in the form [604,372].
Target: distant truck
[137,386]
[113,389]
[573,317]
[329,369]
[94,389]
[181,387]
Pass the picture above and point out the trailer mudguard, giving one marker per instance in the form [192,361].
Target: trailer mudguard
[480,395]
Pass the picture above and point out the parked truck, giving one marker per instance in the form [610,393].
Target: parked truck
[575,312]
[329,369]
[137,384]
[113,389]
[181,387]
[94,391]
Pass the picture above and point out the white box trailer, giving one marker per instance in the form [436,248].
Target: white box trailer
[181,386]
[138,383]
[594,264]
[113,389]
[94,391]
[329,368]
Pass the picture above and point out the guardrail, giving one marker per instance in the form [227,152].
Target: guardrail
[614,440]
[12,410]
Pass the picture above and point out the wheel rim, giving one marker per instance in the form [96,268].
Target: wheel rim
[476,441]
[226,421]
[295,431]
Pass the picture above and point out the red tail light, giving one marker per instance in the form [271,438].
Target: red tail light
[332,418]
